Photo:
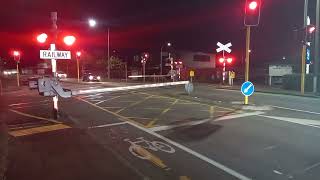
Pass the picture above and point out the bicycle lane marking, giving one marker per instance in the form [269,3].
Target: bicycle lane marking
[180,146]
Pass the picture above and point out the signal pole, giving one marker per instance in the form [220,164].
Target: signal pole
[304,49]
[54,18]
[247,70]
[316,52]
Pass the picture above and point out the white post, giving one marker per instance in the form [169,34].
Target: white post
[54,72]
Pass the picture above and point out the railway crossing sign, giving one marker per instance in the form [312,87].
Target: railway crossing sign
[247,88]
[223,47]
[49,54]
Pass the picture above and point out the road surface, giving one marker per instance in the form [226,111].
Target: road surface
[163,133]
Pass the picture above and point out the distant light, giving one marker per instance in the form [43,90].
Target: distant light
[69,40]
[169,44]
[180,62]
[221,60]
[284,58]
[78,53]
[16,53]
[229,60]
[92,22]
[312,29]
[42,38]
[91,77]
[253,5]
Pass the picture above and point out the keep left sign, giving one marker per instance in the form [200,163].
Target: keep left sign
[47,54]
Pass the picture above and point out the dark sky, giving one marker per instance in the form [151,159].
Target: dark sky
[146,24]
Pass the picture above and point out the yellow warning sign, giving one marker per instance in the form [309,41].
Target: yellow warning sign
[191,73]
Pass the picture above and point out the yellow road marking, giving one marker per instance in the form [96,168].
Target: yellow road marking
[37,130]
[138,118]
[151,123]
[151,157]
[211,111]
[184,178]
[33,116]
[205,104]
[115,97]
[123,118]
[136,103]
[112,107]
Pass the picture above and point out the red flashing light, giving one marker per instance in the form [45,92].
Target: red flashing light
[253,5]
[311,29]
[69,40]
[16,53]
[180,62]
[221,60]
[229,60]
[42,38]
[78,53]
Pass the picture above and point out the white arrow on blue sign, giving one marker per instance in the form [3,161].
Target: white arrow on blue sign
[247,88]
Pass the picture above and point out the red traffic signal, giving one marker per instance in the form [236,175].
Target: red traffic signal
[16,55]
[78,54]
[253,5]
[229,60]
[221,60]
[42,38]
[252,12]
[311,29]
[69,40]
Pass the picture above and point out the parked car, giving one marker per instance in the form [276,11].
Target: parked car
[91,77]
[33,82]
[61,75]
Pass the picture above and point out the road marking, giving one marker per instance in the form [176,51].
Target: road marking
[305,122]
[298,110]
[151,157]
[151,123]
[211,111]
[194,153]
[108,125]
[136,103]
[109,107]
[107,100]
[239,116]
[138,117]
[25,103]
[180,146]
[110,112]
[21,107]
[184,178]
[38,130]
[311,167]
[33,116]
[194,123]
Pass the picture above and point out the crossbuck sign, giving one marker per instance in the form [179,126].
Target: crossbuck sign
[224,47]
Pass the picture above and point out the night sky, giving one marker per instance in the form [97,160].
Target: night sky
[143,25]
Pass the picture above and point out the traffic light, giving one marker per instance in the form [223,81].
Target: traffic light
[221,60]
[310,29]
[229,60]
[78,54]
[69,40]
[42,38]
[146,55]
[52,87]
[16,55]
[252,12]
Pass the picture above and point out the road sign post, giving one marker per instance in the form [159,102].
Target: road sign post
[224,48]
[191,73]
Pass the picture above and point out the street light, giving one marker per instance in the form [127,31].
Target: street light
[168,45]
[16,56]
[92,23]
[78,55]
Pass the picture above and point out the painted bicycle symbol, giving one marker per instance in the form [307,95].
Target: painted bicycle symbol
[139,146]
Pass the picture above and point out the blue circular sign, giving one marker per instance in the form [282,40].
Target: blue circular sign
[247,88]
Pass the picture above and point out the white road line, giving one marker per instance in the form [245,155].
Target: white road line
[298,110]
[108,125]
[107,100]
[194,153]
[305,122]
[194,123]
[239,116]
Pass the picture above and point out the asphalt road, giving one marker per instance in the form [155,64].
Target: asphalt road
[163,133]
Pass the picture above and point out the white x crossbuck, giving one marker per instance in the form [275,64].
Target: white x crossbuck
[224,47]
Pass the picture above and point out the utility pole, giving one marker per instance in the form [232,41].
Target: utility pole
[247,70]
[54,18]
[304,48]
[109,53]
[316,52]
